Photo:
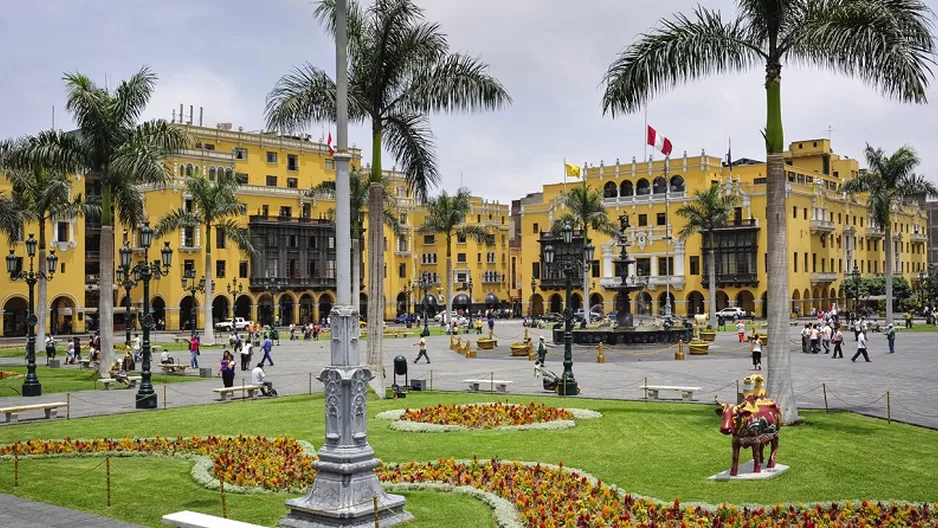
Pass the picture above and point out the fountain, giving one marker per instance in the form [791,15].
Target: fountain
[625,331]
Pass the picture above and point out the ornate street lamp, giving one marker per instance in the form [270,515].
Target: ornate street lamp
[425,285]
[469,285]
[189,283]
[570,266]
[31,385]
[235,288]
[143,272]
[273,286]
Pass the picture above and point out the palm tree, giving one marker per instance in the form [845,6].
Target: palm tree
[358,187]
[400,70]
[584,211]
[710,210]
[112,147]
[215,205]
[887,43]
[446,215]
[888,182]
[41,193]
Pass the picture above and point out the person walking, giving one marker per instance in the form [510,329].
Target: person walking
[755,352]
[194,351]
[857,326]
[861,348]
[246,350]
[266,348]
[541,351]
[741,331]
[423,350]
[814,337]
[805,338]
[826,332]
[891,338]
[838,341]
[227,369]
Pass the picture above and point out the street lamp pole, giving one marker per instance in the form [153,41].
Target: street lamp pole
[235,288]
[143,272]
[126,282]
[189,283]
[568,384]
[425,286]
[469,285]
[855,275]
[533,293]
[31,385]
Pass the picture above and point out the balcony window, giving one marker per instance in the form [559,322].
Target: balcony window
[293,162]
[643,267]
[243,269]
[188,237]
[241,154]
[292,183]
[61,231]
[271,181]
[220,269]
[286,211]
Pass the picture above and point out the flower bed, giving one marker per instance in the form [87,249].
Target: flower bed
[6,374]
[497,415]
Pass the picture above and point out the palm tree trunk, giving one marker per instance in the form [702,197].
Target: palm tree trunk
[43,286]
[356,272]
[887,269]
[449,280]
[376,278]
[586,277]
[106,284]
[208,335]
[712,281]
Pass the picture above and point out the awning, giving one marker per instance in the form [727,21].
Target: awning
[491,299]
[461,299]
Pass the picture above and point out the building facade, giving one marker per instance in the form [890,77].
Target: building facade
[829,233]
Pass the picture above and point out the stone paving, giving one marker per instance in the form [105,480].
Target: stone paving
[21,513]
[856,386]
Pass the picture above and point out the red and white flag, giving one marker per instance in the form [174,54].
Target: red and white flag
[660,142]
[332,148]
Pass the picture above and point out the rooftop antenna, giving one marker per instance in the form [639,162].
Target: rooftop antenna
[830,131]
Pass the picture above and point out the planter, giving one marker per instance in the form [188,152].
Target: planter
[699,348]
[706,335]
[521,349]
[485,343]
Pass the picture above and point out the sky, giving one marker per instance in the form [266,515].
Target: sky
[226,55]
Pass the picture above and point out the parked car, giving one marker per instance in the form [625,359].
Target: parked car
[552,317]
[594,315]
[406,318]
[732,311]
[238,323]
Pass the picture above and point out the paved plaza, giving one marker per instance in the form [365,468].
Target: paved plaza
[860,386]
[21,513]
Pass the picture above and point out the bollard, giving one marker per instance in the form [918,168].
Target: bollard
[107,478]
[601,355]
[452,342]
[431,379]
[164,396]
[645,397]
[310,383]
[679,355]
[377,513]
[889,406]
[824,386]
[492,378]
[16,469]
[525,334]
[224,499]
[68,405]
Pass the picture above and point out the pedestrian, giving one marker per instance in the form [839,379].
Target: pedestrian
[70,352]
[838,341]
[259,378]
[266,348]
[137,346]
[194,351]
[541,351]
[292,332]
[861,347]
[891,338]
[50,348]
[246,351]
[227,368]
[76,344]
[491,323]
[826,332]
[815,335]
[755,352]
[805,336]
[741,331]
[423,350]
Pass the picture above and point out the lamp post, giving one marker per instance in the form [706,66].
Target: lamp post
[31,385]
[408,286]
[921,288]
[124,280]
[425,285]
[143,272]
[570,265]
[189,283]
[272,286]
[469,285]
[235,288]
[533,293]
[855,276]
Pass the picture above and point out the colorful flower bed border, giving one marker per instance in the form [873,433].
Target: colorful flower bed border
[398,424]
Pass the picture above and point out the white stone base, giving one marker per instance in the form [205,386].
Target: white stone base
[745,472]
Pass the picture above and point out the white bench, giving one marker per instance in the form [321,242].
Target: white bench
[500,385]
[107,382]
[12,413]
[190,519]
[86,363]
[687,393]
[173,368]
[226,392]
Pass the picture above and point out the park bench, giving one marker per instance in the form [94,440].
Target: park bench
[12,413]
[190,519]
[87,363]
[500,385]
[396,333]
[173,368]
[687,393]
[107,382]
[226,392]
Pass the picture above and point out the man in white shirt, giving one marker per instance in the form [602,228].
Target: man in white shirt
[826,338]
[137,345]
[259,378]
[861,348]
[246,349]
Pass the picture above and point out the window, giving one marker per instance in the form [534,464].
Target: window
[188,237]
[286,211]
[806,261]
[429,239]
[794,212]
[292,241]
[188,265]
[220,269]
[695,265]
[795,260]
[220,239]
[241,154]
[293,162]
[480,258]
[291,183]
[813,262]
[265,210]
[594,268]
[661,219]
[330,164]
[241,178]
[478,219]
[462,276]
[402,270]
[643,267]
[536,270]
[805,213]
[271,157]
[460,238]
[62,268]
[271,181]
[61,231]
[312,242]
[188,205]
[404,218]
[293,271]
[306,210]
[243,269]
[537,230]
[643,220]
[461,258]
[665,266]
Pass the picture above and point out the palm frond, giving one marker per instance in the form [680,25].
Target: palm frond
[11,219]
[886,43]
[456,83]
[89,106]
[132,96]
[300,98]
[142,156]
[679,50]
[411,142]
[917,186]
[709,210]
[238,234]
[474,231]
[128,202]
[175,220]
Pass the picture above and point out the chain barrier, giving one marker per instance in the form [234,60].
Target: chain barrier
[916,413]
[810,391]
[829,391]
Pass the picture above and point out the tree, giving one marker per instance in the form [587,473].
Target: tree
[710,210]
[215,205]
[446,215]
[886,43]
[358,191]
[888,182]
[112,147]
[400,70]
[584,210]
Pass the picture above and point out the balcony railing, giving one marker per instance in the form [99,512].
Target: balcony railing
[675,281]
[874,232]
[823,277]
[729,279]
[822,226]
[918,237]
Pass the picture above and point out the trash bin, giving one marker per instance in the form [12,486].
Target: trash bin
[205,372]
[55,363]
[418,385]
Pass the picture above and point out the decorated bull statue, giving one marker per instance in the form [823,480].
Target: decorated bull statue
[753,423]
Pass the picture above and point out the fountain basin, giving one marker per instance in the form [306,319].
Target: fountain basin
[626,336]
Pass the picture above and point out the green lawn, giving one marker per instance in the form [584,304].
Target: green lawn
[917,328]
[71,379]
[661,450]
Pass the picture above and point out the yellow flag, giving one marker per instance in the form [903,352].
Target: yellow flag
[572,170]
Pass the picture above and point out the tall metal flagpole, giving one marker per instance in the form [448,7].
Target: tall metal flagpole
[346,487]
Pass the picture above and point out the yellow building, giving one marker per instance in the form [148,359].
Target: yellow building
[292,233]
[828,233]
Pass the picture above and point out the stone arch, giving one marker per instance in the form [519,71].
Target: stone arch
[62,314]
[211,173]
[626,189]
[556,303]
[695,303]
[642,187]
[796,302]
[158,310]
[265,309]
[15,308]
[188,312]
[677,183]
[221,306]
[660,185]
[663,301]
[325,305]
[307,304]
[242,307]
[576,301]
[610,190]
[401,303]
[805,302]
[596,299]
[189,169]
[723,300]
[643,303]
[285,311]
[537,304]
[747,301]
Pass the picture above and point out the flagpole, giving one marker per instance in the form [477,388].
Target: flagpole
[645,134]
